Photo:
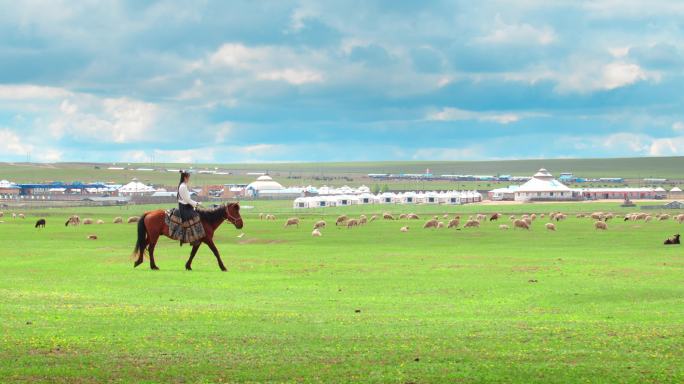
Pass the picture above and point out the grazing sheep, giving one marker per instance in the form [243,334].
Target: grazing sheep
[680,218]
[14,215]
[320,224]
[522,224]
[454,223]
[561,216]
[503,227]
[92,237]
[550,226]
[292,221]
[118,220]
[363,220]
[528,221]
[533,217]
[373,218]
[601,225]
[261,216]
[495,217]
[316,233]
[40,223]
[440,224]
[73,220]
[412,216]
[430,224]
[387,216]
[597,215]
[481,217]
[21,216]
[648,218]
[87,221]
[664,217]
[270,217]
[472,224]
[512,218]
[363,217]
[133,219]
[404,229]
[673,240]
[542,216]
[100,221]
[403,216]
[341,220]
[445,216]
[352,223]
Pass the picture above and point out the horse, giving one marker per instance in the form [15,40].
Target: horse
[152,225]
[673,240]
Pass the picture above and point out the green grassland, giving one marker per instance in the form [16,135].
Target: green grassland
[337,174]
[369,304]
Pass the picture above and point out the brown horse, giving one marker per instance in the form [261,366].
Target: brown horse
[152,225]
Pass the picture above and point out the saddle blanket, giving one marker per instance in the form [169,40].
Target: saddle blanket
[190,231]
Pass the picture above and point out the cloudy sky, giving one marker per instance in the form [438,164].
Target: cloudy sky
[239,81]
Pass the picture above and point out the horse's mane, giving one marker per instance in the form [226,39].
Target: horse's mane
[213,215]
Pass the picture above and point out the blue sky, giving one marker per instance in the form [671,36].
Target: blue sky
[242,81]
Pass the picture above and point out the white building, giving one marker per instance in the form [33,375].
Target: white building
[544,187]
[136,188]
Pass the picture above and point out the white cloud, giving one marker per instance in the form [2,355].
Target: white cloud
[11,143]
[272,63]
[118,120]
[455,114]
[678,126]
[669,146]
[589,76]
[628,144]
[467,153]
[28,91]
[523,34]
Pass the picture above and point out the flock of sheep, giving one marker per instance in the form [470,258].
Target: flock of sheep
[524,222]
[76,221]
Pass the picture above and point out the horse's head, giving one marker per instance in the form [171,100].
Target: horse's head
[233,215]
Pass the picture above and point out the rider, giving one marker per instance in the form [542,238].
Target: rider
[186,205]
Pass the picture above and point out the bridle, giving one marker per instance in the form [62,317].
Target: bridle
[230,217]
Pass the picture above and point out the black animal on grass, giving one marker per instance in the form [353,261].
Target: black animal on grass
[672,240]
[40,223]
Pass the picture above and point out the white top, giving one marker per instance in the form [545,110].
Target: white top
[184,195]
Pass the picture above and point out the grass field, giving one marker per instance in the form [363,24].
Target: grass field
[338,174]
[363,305]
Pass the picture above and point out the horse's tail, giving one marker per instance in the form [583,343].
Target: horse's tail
[141,244]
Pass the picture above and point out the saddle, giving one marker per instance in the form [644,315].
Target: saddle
[190,231]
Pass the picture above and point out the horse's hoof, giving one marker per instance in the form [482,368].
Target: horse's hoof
[155,268]
[136,264]
[224,269]
[188,268]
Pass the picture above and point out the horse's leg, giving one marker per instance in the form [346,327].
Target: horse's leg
[188,265]
[212,246]
[153,244]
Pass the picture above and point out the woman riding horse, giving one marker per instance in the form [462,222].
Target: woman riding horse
[186,206]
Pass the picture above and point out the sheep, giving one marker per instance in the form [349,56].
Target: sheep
[503,227]
[512,218]
[133,219]
[363,220]
[430,224]
[561,216]
[118,220]
[363,217]
[673,240]
[387,216]
[472,224]
[533,217]
[403,216]
[319,225]
[440,224]
[92,237]
[88,221]
[550,226]
[597,215]
[21,216]
[2,214]
[542,216]
[373,218]
[528,221]
[495,217]
[601,225]
[341,220]
[352,223]
[412,216]
[292,221]
[14,215]
[481,217]
[648,218]
[100,221]
[680,218]
[445,216]
[454,223]
[270,217]
[664,217]
[73,220]
[404,229]
[522,224]
[316,233]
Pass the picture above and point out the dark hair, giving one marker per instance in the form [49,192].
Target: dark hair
[183,175]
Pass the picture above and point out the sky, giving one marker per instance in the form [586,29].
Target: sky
[261,81]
